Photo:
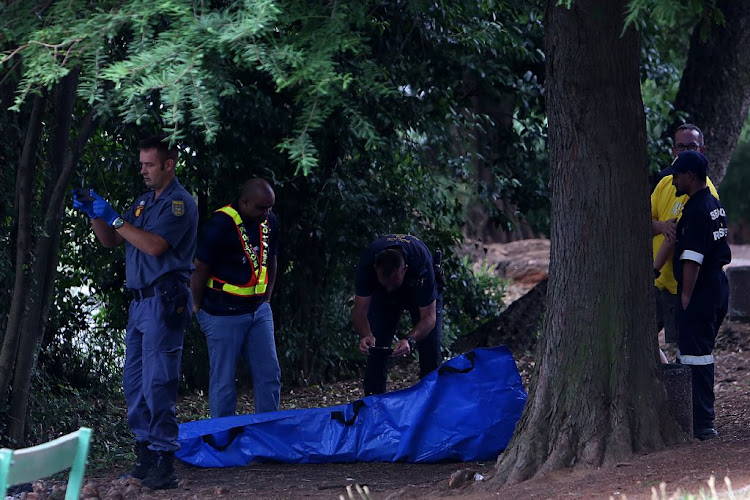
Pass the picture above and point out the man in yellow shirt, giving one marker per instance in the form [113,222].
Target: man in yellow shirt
[666,209]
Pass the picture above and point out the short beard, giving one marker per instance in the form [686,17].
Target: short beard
[679,193]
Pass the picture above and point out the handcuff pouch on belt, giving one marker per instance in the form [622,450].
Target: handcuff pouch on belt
[174,296]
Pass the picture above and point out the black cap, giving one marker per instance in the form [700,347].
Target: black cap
[688,161]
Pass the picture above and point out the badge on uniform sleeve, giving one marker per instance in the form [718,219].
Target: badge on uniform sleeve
[178,208]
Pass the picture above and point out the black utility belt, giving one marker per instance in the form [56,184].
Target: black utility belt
[143,293]
[231,310]
[150,291]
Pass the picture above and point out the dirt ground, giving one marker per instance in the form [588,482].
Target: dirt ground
[680,469]
[686,468]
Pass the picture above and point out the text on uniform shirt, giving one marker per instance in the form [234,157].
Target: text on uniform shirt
[717,212]
[722,232]
[677,208]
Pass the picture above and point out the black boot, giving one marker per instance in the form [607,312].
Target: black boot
[163,476]
[145,460]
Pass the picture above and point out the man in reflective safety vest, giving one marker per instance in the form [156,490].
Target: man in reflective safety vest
[701,251]
[235,270]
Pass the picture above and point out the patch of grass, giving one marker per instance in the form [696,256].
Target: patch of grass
[711,494]
[56,408]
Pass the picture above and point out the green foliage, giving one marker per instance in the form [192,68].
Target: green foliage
[172,59]
[57,408]
[733,191]
[659,109]
[476,297]
[666,28]
[669,14]
[663,55]
[11,127]
[516,151]
[359,114]
[84,338]
[361,101]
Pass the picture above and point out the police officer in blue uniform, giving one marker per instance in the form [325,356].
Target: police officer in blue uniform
[235,272]
[701,251]
[159,232]
[397,273]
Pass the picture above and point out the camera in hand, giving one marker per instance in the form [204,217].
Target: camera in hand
[383,351]
[83,194]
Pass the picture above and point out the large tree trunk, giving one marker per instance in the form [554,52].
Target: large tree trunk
[596,396]
[23,200]
[715,87]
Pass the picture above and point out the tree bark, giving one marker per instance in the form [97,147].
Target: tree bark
[64,157]
[515,327]
[23,200]
[596,396]
[715,87]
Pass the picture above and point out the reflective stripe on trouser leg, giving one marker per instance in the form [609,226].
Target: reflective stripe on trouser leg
[703,396]
[697,333]
[702,375]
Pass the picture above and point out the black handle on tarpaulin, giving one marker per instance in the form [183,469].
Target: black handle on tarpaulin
[233,433]
[338,416]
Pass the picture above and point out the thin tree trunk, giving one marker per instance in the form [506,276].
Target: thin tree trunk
[64,157]
[24,179]
[596,396]
[43,278]
[715,87]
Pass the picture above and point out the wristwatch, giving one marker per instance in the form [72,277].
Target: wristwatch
[412,344]
[117,223]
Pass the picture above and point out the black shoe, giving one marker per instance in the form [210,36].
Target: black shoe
[705,433]
[145,460]
[163,476]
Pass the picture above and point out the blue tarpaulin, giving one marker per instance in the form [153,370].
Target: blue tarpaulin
[466,410]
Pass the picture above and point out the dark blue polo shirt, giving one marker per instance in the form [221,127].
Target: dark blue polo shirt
[702,237]
[220,247]
[420,274]
[174,217]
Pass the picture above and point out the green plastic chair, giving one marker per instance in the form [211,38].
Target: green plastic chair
[37,462]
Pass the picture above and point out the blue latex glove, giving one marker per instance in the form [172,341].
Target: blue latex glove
[103,209]
[86,207]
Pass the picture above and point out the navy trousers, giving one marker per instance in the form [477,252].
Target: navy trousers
[384,314]
[697,327]
[151,374]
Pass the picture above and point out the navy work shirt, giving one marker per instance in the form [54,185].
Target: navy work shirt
[702,237]
[174,217]
[220,247]
[420,273]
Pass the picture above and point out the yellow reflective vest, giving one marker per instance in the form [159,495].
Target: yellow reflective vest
[259,277]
